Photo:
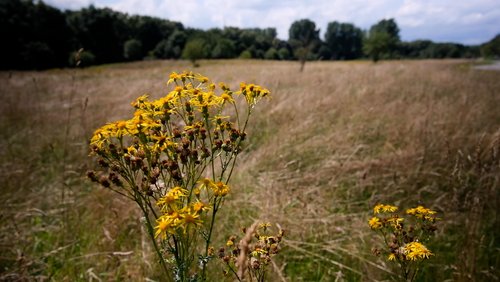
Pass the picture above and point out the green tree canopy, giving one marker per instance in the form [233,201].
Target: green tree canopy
[194,50]
[491,48]
[303,37]
[132,50]
[382,40]
[344,40]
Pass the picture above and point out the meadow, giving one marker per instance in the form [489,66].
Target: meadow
[332,142]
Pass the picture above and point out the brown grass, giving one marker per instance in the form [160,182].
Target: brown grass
[333,141]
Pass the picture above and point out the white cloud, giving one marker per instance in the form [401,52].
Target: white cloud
[463,21]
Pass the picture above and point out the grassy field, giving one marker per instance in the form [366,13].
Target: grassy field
[331,143]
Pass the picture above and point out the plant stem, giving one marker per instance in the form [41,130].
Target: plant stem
[151,234]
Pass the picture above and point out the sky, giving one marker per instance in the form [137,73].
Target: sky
[462,21]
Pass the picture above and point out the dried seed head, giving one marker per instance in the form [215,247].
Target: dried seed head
[103,180]
[91,175]
[102,163]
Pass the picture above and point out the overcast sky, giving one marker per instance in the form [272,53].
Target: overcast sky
[462,21]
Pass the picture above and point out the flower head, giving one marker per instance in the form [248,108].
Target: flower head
[416,251]
[375,223]
[422,213]
[384,208]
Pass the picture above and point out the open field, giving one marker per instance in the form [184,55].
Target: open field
[331,143]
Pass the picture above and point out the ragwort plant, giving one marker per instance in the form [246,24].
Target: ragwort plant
[404,236]
[175,158]
[248,260]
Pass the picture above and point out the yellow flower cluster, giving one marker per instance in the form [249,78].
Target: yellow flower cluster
[253,92]
[219,189]
[377,222]
[384,208]
[193,93]
[422,213]
[162,154]
[415,251]
[175,215]
[402,234]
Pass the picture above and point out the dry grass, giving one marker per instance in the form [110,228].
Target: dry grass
[333,141]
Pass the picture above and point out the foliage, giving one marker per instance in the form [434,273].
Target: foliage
[194,50]
[344,41]
[132,50]
[223,49]
[38,36]
[303,37]
[403,237]
[171,48]
[382,40]
[491,48]
[271,54]
[175,159]
[85,58]
[34,35]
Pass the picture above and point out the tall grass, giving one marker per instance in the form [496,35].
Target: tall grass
[333,141]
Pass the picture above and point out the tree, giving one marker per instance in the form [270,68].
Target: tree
[223,49]
[100,31]
[382,40]
[344,40]
[491,48]
[376,45]
[284,53]
[271,54]
[194,50]
[171,48]
[34,35]
[132,50]
[303,37]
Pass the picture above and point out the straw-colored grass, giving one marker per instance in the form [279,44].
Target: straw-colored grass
[333,141]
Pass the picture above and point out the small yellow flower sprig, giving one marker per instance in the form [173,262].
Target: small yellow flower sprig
[403,236]
[174,157]
[244,256]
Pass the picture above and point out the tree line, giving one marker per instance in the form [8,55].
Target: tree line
[38,36]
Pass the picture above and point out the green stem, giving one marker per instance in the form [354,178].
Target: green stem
[151,234]
[207,241]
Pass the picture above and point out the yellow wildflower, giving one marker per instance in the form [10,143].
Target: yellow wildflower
[189,219]
[375,223]
[220,189]
[422,213]
[415,250]
[264,225]
[171,198]
[140,101]
[164,226]
[205,183]
[226,98]
[391,257]
[173,77]
[198,207]
[384,208]
[395,222]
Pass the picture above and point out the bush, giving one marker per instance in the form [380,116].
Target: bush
[132,50]
[246,54]
[271,54]
[86,58]
[193,51]
[284,54]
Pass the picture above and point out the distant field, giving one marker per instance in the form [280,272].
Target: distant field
[332,142]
